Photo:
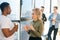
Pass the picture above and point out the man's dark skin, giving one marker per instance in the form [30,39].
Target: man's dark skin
[6,31]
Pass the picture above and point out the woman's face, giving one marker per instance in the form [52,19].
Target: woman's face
[34,16]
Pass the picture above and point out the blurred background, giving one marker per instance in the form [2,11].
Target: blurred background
[21,14]
[26,7]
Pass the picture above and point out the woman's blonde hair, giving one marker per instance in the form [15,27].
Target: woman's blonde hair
[37,12]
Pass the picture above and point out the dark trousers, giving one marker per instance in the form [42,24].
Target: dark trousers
[35,38]
[50,31]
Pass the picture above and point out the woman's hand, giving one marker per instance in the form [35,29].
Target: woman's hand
[32,28]
[26,28]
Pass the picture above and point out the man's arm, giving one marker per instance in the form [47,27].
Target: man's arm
[45,19]
[58,18]
[50,17]
[7,32]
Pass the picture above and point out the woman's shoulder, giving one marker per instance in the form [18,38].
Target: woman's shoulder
[40,20]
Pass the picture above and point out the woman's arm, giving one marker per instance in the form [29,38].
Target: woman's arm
[38,33]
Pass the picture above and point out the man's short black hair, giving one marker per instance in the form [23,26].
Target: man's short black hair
[56,7]
[3,5]
[42,7]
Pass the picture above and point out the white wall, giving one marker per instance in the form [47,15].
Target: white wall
[15,7]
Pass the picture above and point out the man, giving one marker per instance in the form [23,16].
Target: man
[54,19]
[44,19]
[7,28]
[43,15]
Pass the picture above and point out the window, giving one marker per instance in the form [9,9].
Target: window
[26,8]
[53,3]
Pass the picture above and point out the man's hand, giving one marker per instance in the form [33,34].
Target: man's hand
[15,27]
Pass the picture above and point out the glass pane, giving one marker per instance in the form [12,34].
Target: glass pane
[26,8]
[58,3]
[25,14]
[40,3]
[54,3]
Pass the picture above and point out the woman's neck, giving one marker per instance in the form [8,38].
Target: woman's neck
[35,19]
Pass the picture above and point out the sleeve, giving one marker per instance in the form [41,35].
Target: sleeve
[50,17]
[29,31]
[58,19]
[5,24]
[45,19]
[38,33]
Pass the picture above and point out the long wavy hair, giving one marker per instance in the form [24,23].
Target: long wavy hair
[38,13]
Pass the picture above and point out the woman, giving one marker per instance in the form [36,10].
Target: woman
[35,29]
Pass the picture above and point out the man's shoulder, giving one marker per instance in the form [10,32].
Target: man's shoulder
[43,14]
[2,18]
